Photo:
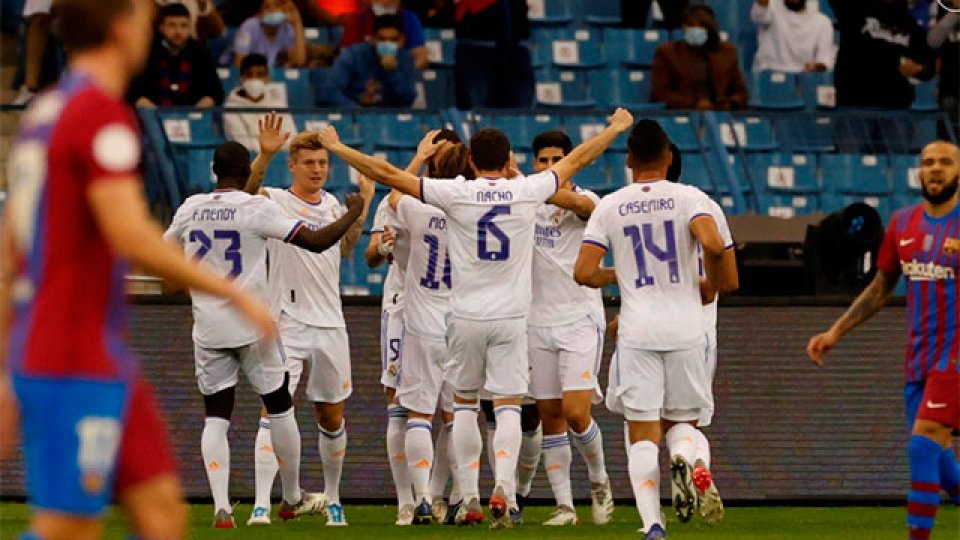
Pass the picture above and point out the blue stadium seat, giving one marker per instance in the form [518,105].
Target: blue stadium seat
[599,13]
[341,175]
[440,45]
[579,50]
[632,48]
[922,131]
[905,170]
[564,89]
[402,130]
[855,174]
[524,159]
[278,174]
[617,165]
[196,165]
[596,177]
[196,127]
[695,171]
[438,88]
[818,91]
[629,88]
[926,96]
[885,205]
[583,127]
[324,35]
[297,81]
[775,90]
[229,78]
[783,172]
[519,128]
[353,274]
[786,206]
[219,47]
[681,130]
[343,122]
[750,132]
[549,12]
[805,133]
[717,169]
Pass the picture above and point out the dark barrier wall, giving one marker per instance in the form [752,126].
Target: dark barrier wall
[784,428]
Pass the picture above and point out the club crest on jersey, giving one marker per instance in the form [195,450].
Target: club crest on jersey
[951,246]
[557,217]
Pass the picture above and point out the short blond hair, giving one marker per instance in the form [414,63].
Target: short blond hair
[307,140]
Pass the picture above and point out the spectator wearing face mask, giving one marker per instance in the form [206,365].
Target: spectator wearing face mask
[276,33]
[255,91]
[358,28]
[700,71]
[179,71]
[793,37]
[378,73]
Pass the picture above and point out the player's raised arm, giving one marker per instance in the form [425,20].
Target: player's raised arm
[350,239]
[579,204]
[621,120]
[373,168]
[705,230]
[121,213]
[271,138]
[324,238]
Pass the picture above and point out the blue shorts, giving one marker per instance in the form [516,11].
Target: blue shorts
[72,431]
[912,396]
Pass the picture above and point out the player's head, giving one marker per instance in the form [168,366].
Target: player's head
[122,27]
[550,147]
[453,161]
[254,75]
[490,152]
[676,167]
[309,162]
[939,171]
[174,25]
[444,134]
[648,149]
[231,165]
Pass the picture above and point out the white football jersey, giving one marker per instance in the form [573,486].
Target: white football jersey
[490,239]
[646,226]
[428,276]
[710,310]
[557,299]
[393,284]
[306,285]
[228,232]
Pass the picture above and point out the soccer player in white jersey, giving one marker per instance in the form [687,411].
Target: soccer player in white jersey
[490,232]
[228,230]
[565,329]
[652,228]
[305,290]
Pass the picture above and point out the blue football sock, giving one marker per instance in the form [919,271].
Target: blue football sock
[924,496]
[950,474]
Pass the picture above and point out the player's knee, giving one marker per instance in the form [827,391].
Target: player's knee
[220,405]
[280,400]
[577,416]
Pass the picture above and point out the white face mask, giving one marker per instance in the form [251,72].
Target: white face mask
[254,88]
[379,10]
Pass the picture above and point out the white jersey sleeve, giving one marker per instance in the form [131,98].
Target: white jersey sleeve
[442,193]
[271,221]
[543,185]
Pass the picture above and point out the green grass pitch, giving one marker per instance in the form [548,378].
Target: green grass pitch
[376,522]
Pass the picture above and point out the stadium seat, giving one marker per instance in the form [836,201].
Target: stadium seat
[196,127]
[818,91]
[341,175]
[401,130]
[926,96]
[324,35]
[440,45]
[830,203]
[343,122]
[806,133]
[751,133]
[906,173]
[229,78]
[596,177]
[324,92]
[581,50]
[922,131]
[297,81]
[718,174]
[681,130]
[565,89]
[582,127]
[199,169]
[775,90]
[278,174]
[519,128]
[620,175]
[695,171]
[855,174]
[786,206]
[783,172]
[599,13]
[631,48]
[629,88]
[438,89]
[549,12]
[353,274]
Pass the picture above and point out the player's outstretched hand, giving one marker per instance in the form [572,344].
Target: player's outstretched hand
[354,202]
[9,418]
[621,120]
[820,345]
[328,137]
[366,186]
[427,148]
[271,136]
[255,312]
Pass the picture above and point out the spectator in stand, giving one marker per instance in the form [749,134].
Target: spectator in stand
[432,13]
[37,14]
[493,68]
[378,73]
[700,71]
[205,20]
[276,33]
[945,36]
[793,36]
[665,13]
[179,71]
[358,28]
[882,52]
[255,91]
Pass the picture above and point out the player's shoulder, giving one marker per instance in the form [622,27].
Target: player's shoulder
[903,215]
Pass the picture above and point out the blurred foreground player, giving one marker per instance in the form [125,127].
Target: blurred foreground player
[77,217]
[922,244]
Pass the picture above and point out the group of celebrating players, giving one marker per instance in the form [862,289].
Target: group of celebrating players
[491,297]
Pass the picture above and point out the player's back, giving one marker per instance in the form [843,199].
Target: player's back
[70,315]
[491,241]
[428,272]
[646,225]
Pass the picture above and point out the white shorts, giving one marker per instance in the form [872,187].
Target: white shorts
[706,415]
[489,355]
[565,358]
[645,386]
[391,345]
[326,350]
[423,381]
[34,7]
[262,362]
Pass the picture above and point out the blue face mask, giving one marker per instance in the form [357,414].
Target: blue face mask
[387,48]
[274,18]
[695,36]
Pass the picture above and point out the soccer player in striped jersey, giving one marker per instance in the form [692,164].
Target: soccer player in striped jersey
[923,245]
[491,222]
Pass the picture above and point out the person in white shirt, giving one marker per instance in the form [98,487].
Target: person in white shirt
[229,230]
[255,92]
[652,228]
[490,233]
[305,291]
[793,37]
[565,332]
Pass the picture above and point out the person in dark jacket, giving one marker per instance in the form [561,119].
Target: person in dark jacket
[378,73]
[883,53]
[179,71]
[945,35]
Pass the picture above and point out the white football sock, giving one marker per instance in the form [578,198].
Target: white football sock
[419,449]
[333,450]
[215,450]
[681,441]
[530,448]
[556,459]
[441,464]
[285,437]
[396,452]
[590,445]
[455,494]
[645,480]
[703,449]
[265,465]
[468,445]
[506,448]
